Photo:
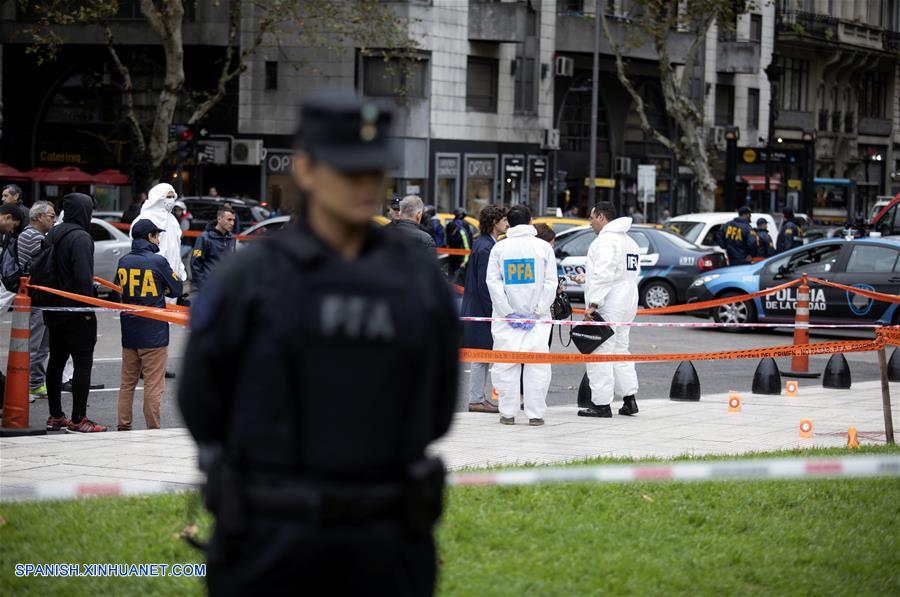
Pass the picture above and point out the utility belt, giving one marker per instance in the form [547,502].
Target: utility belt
[234,496]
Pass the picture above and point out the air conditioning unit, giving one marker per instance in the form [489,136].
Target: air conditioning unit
[717,137]
[247,152]
[565,66]
[551,139]
[623,165]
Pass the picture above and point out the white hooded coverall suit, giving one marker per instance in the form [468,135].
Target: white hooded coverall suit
[521,278]
[158,209]
[611,282]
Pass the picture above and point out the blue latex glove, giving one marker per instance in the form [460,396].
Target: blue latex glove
[524,325]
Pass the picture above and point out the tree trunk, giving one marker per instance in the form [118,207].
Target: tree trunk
[167,23]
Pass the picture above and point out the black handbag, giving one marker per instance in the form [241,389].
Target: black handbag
[588,337]
[561,307]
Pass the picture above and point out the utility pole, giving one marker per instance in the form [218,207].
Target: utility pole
[595,99]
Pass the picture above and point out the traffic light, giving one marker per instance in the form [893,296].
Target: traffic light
[185,138]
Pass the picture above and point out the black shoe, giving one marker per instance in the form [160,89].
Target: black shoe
[630,406]
[170,375]
[97,386]
[603,411]
[66,386]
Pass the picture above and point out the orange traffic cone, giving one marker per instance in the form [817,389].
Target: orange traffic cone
[800,363]
[15,403]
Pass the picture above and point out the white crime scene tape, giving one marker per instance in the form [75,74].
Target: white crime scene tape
[671,324]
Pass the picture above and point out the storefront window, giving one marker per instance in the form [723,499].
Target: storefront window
[480,182]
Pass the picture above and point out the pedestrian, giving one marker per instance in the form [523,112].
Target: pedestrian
[179,210]
[41,219]
[213,192]
[145,278]
[637,215]
[434,226]
[459,235]
[12,194]
[612,272]
[521,277]
[394,210]
[765,246]
[476,302]
[158,209]
[665,217]
[738,238]
[791,234]
[72,333]
[411,211]
[10,227]
[134,209]
[236,229]
[212,246]
[344,320]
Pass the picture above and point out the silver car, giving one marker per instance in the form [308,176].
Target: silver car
[110,245]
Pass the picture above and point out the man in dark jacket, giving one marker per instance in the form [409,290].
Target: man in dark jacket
[72,333]
[790,235]
[411,210]
[146,279]
[766,248]
[459,236]
[477,303]
[738,238]
[433,224]
[215,243]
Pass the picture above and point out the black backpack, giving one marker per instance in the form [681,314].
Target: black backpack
[10,272]
[44,272]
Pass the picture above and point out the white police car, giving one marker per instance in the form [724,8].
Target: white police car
[867,263]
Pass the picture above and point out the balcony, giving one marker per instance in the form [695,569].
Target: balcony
[497,22]
[575,34]
[737,57]
[802,24]
[795,120]
[860,34]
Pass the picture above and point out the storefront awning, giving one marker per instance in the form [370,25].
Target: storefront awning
[68,175]
[758,183]
[111,177]
[10,173]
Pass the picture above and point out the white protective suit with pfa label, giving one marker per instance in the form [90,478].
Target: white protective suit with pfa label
[611,282]
[158,209]
[521,278]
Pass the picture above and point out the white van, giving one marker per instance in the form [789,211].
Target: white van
[702,228]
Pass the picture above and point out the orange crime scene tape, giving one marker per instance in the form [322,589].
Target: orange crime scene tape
[159,314]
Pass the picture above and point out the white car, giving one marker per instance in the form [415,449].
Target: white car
[264,228]
[110,245]
[702,228]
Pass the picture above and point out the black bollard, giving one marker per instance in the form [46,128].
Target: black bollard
[837,373]
[685,383]
[894,366]
[767,378]
[584,393]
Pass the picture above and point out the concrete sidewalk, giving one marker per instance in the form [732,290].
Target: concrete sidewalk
[663,429]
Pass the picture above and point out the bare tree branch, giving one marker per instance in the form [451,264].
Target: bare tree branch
[127,92]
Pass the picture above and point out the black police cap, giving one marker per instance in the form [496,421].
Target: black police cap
[347,132]
[743,210]
[144,228]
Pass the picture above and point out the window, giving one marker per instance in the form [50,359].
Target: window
[872,93]
[710,239]
[794,82]
[386,77]
[818,260]
[642,241]
[724,105]
[756,28]
[578,246]
[753,109]
[481,84]
[867,259]
[99,232]
[728,30]
[271,75]
[524,100]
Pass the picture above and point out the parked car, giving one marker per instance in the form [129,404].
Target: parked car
[110,244]
[814,233]
[203,211]
[867,263]
[702,228]
[669,263]
[108,216]
[887,221]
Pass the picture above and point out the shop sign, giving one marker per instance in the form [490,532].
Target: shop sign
[602,183]
[448,167]
[278,163]
[480,168]
[513,168]
[538,169]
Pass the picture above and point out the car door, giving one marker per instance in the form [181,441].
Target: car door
[870,266]
[108,249]
[647,250]
[821,261]
[571,256]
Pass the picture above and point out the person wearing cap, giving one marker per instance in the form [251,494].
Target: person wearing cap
[212,246]
[738,238]
[146,279]
[460,235]
[791,234]
[765,246]
[358,340]
[394,210]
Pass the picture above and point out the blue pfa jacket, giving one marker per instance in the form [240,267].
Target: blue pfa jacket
[739,241]
[790,236]
[146,279]
[210,248]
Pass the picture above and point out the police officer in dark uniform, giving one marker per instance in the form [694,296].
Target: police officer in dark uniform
[321,363]
[765,246]
[738,238]
[790,235]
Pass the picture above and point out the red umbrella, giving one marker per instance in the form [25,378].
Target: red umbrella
[111,177]
[38,174]
[68,175]
[10,173]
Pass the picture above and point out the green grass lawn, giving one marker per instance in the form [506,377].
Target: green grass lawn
[711,538]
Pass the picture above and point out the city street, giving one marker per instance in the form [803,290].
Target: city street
[655,378]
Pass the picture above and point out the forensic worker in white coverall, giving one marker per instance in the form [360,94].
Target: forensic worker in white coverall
[158,209]
[611,288]
[521,278]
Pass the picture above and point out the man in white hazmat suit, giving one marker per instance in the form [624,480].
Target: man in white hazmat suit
[611,288]
[521,278]
[158,209]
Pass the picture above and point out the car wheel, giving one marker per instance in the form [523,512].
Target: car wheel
[743,312]
[657,294]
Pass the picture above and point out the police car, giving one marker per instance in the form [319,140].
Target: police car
[668,262]
[867,263]
[702,228]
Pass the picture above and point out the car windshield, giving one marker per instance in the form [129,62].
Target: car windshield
[689,230]
[678,241]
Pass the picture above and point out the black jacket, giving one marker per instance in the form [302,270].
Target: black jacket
[476,301]
[146,279]
[74,254]
[790,236]
[413,233]
[210,248]
[766,247]
[739,241]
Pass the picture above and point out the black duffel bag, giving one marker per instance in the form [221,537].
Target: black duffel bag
[588,337]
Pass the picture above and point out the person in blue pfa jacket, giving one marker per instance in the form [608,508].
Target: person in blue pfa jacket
[766,248]
[146,279]
[738,238]
[215,243]
[790,235]
[435,228]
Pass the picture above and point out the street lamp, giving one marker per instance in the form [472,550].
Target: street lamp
[773,73]
[809,171]
[732,134]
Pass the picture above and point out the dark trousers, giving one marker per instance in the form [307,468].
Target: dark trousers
[73,336]
[375,558]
